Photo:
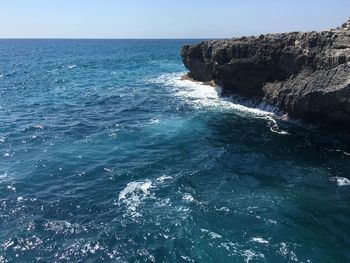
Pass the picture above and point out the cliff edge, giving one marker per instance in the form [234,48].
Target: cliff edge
[306,74]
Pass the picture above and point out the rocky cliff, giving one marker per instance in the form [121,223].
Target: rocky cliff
[306,75]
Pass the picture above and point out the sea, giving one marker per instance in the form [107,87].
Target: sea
[108,155]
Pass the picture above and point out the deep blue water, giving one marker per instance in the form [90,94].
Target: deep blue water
[106,155]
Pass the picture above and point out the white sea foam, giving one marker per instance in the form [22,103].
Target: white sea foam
[22,244]
[39,126]
[164,178]
[213,235]
[287,252]
[341,181]
[71,66]
[11,187]
[78,248]
[188,197]
[271,221]
[137,193]
[154,121]
[259,240]
[250,255]
[133,195]
[63,227]
[187,259]
[201,95]
[225,209]
[272,124]
[91,248]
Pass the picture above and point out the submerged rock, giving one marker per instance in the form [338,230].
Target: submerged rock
[305,74]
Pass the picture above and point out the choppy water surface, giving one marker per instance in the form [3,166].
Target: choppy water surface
[107,155]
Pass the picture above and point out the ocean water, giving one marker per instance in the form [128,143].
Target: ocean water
[106,155]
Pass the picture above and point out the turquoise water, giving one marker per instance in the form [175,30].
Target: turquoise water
[107,155]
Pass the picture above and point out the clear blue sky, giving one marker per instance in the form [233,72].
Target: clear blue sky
[165,18]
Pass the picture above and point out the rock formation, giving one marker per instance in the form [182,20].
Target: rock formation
[306,75]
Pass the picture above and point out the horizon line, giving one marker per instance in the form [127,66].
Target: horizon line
[86,38]
[162,38]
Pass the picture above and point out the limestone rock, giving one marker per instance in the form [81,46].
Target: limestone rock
[305,74]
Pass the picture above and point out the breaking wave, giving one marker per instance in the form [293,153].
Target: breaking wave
[201,95]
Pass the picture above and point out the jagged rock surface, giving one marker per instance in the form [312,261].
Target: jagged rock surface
[305,74]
